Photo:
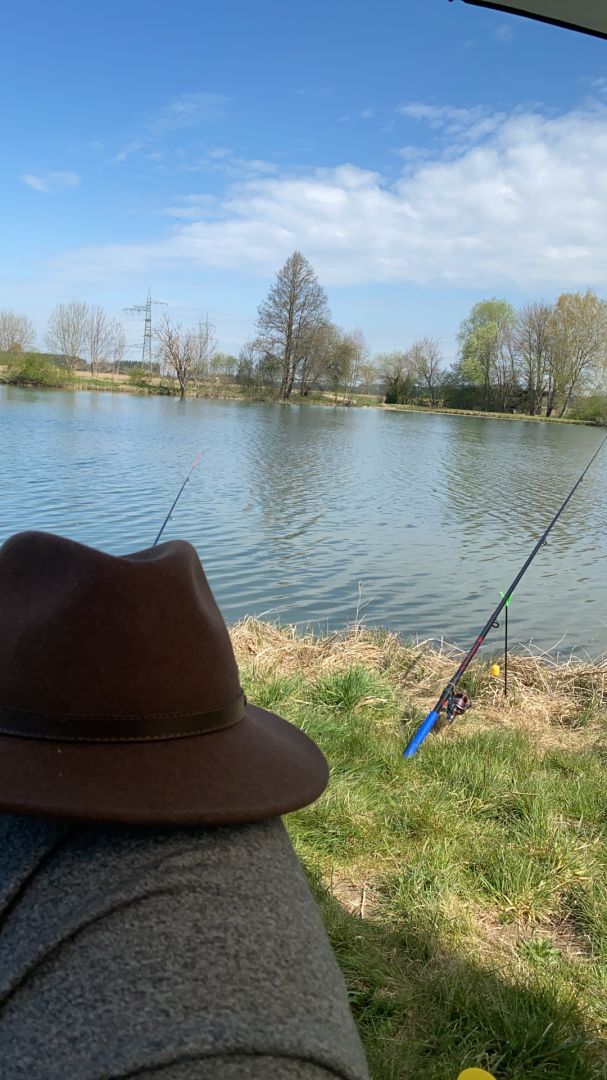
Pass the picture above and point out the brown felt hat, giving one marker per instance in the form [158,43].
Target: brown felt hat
[120,698]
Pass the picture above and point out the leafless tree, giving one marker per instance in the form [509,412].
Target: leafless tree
[358,356]
[533,344]
[117,345]
[177,351]
[339,363]
[66,333]
[206,345]
[181,351]
[295,305]
[98,336]
[316,355]
[17,333]
[426,358]
[368,375]
[505,373]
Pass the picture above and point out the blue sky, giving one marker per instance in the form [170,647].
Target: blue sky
[422,154]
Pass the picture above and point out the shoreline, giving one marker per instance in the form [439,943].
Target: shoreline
[360,401]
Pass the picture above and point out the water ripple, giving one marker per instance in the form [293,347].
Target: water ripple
[293,508]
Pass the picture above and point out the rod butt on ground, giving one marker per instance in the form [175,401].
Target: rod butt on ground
[423,730]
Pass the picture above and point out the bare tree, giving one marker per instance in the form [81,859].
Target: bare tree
[338,366]
[295,305]
[358,356]
[66,333]
[117,345]
[206,345]
[98,336]
[368,375]
[426,357]
[316,356]
[17,333]
[532,344]
[179,350]
[505,374]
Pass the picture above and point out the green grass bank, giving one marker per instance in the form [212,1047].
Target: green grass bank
[464,891]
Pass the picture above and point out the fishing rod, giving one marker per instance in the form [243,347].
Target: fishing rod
[195,465]
[456,703]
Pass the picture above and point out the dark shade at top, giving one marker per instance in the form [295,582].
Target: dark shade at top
[589,16]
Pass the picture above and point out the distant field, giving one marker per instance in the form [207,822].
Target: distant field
[465,891]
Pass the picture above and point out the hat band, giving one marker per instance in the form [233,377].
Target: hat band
[82,728]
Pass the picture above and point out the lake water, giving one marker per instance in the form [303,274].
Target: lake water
[311,515]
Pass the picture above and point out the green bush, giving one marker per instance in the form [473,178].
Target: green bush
[137,375]
[591,408]
[32,369]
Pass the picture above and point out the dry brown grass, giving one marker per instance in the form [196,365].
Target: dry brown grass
[558,703]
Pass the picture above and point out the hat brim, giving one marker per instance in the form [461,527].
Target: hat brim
[260,768]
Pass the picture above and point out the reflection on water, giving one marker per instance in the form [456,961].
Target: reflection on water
[294,507]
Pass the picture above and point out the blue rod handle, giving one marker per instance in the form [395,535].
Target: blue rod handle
[423,730]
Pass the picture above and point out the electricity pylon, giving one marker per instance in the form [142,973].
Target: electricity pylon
[146,355]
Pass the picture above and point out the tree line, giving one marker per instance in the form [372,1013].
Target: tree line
[537,360]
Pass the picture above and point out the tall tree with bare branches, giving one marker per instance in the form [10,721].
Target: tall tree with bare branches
[206,346]
[426,357]
[182,351]
[17,333]
[294,307]
[533,346]
[117,345]
[98,336]
[66,333]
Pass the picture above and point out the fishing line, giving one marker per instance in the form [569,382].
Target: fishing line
[195,465]
[456,702]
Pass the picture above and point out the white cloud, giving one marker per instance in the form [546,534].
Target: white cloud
[187,110]
[464,124]
[131,148]
[520,202]
[65,179]
[53,181]
[366,114]
[193,207]
[35,182]
[505,33]
[221,160]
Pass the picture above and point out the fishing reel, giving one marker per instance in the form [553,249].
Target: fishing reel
[457,705]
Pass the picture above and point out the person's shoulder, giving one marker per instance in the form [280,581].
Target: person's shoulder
[245,1067]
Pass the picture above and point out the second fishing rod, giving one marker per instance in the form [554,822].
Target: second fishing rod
[450,700]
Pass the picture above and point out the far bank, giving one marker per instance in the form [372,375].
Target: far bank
[121,383]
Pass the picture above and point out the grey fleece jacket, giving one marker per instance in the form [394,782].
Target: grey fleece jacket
[184,954]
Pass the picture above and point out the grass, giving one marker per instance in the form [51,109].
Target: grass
[492,415]
[465,890]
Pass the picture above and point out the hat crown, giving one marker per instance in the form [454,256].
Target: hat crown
[87,634]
